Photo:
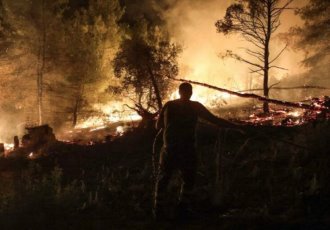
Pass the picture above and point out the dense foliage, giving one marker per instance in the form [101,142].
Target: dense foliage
[60,54]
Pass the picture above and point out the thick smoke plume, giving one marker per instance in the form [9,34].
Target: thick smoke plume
[191,23]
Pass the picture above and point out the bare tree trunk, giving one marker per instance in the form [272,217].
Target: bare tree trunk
[77,105]
[266,57]
[75,113]
[41,65]
[266,89]
[156,88]
[256,24]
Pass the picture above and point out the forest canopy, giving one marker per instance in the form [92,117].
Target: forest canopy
[64,61]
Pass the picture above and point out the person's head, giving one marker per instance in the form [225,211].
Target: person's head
[185,91]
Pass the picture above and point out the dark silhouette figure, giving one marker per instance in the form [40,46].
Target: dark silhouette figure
[178,120]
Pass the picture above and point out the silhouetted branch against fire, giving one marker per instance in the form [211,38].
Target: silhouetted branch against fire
[255,21]
[254,96]
[289,88]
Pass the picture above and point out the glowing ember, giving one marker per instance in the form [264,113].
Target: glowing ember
[117,111]
[295,113]
[128,117]
[98,128]
[295,117]
[113,113]
[9,147]
[90,122]
[120,130]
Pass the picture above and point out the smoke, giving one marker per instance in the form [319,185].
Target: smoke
[11,124]
[191,23]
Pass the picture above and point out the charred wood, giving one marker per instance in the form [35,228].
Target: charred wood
[255,96]
[288,88]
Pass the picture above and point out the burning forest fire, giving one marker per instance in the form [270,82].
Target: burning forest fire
[95,129]
[102,100]
[8,147]
[200,59]
[294,117]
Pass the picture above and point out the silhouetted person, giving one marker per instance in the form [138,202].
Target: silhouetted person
[178,120]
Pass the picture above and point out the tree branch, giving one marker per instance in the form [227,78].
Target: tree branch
[276,11]
[257,55]
[271,86]
[256,71]
[279,54]
[239,58]
[255,43]
[254,96]
[277,67]
[288,88]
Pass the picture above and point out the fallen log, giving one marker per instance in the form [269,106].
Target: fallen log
[288,88]
[255,96]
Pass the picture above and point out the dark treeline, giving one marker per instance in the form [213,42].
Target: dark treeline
[67,56]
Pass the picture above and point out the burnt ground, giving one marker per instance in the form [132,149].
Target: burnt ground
[269,178]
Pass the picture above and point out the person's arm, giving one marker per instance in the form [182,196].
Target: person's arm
[160,120]
[205,114]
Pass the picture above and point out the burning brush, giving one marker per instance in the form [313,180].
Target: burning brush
[290,117]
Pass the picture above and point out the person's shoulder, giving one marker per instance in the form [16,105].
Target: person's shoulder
[172,102]
[196,104]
